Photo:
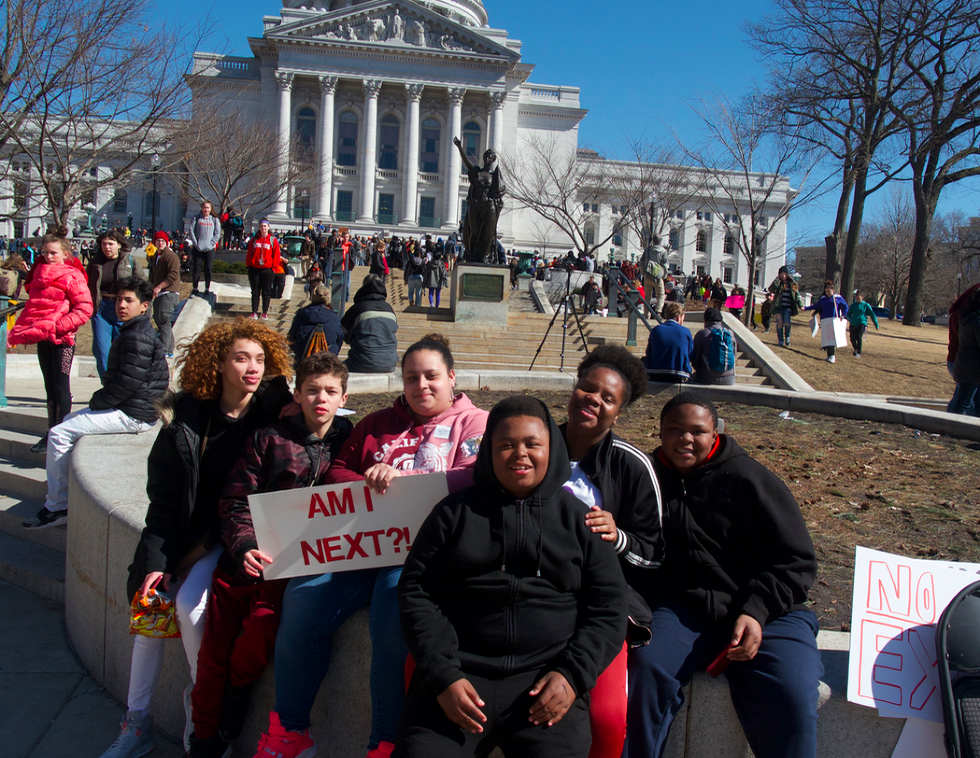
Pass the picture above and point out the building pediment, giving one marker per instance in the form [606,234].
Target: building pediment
[401,25]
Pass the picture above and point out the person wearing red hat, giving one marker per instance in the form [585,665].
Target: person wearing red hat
[165,278]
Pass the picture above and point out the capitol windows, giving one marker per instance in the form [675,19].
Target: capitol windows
[675,239]
[701,242]
[388,143]
[120,202]
[20,194]
[471,140]
[729,244]
[589,234]
[306,128]
[429,148]
[347,139]
[727,275]
[345,206]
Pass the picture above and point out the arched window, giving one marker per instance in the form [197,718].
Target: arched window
[306,128]
[120,202]
[429,149]
[589,234]
[347,139]
[729,244]
[471,139]
[701,242]
[20,194]
[388,143]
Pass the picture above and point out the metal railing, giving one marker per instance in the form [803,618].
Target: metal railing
[6,310]
[430,222]
[343,216]
[389,219]
[619,285]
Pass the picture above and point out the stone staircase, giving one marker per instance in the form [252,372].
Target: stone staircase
[486,346]
[34,560]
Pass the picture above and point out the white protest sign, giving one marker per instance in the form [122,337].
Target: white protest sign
[342,527]
[897,603]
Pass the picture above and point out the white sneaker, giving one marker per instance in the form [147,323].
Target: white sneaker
[188,717]
[136,738]
[857,355]
[831,359]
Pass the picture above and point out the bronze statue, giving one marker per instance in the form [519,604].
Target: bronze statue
[484,201]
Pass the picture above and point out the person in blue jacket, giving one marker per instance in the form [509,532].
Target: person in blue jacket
[307,319]
[829,306]
[668,356]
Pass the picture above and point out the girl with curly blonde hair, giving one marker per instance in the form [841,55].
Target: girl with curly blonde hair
[233,382]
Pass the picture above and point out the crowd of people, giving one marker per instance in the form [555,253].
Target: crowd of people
[562,558]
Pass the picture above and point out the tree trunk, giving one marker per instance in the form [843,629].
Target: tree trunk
[854,232]
[833,263]
[750,290]
[925,209]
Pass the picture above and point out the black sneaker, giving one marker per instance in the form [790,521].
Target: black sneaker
[41,446]
[215,747]
[46,518]
[234,707]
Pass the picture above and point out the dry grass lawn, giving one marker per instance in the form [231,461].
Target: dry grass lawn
[899,361]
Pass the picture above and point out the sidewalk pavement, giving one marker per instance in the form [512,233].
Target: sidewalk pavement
[49,706]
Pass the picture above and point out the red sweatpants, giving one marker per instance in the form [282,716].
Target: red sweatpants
[239,637]
[607,711]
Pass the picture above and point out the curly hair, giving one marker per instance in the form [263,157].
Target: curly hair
[199,361]
[624,363]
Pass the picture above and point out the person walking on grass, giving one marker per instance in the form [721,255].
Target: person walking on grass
[857,316]
[829,307]
[786,303]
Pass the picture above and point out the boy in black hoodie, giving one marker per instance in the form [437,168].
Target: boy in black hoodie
[243,609]
[510,606]
[732,590]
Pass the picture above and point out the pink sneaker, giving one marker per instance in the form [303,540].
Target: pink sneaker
[254,315]
[383,750]
[265,316]
[281,743]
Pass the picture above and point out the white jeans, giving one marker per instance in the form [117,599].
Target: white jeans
[62,438]
[192,602]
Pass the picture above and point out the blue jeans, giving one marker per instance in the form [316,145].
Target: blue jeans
[314,607]
[965,400]
[105,329]
[415,290]
[774,694]
[784,323]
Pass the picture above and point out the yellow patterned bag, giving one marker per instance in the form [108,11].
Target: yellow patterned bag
[153,615]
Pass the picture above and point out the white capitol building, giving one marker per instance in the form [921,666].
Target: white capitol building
[376,90]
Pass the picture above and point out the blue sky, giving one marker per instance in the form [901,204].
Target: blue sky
[637,64]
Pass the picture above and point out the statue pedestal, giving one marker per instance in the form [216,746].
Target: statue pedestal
[479,293]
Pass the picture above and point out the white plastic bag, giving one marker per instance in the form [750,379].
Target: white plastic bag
[833,332]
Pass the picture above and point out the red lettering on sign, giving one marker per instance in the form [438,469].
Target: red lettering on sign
[330,546]
[889,594]
[344,506]
[355,545]
[367,499]
[309,552]
[316,504]
[398,535]
[374,535]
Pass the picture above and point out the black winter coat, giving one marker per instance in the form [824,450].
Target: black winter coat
[369,328]
[173,472]
[498,586]
[306,320]
[136,372]
[737,542]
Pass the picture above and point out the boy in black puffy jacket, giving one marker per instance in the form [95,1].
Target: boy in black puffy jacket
[136,373]
[510,606]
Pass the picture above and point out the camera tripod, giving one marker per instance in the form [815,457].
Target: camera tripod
[567,303]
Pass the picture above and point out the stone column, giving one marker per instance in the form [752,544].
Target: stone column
[450,218]
[285,81]
[328,87]
[368,161]
[496,104]
[410,188]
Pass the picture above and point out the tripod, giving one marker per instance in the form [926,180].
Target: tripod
[567,301]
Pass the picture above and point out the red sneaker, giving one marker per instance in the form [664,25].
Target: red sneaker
[281,743]
[383,750]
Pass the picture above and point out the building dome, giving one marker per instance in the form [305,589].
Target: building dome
[468,12]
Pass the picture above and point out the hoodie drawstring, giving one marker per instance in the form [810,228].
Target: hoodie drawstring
[503,545]
[540,536]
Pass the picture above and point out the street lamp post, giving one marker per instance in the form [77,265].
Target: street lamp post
[155,161]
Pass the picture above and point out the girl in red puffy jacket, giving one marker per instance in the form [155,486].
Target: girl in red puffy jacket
[59,304]
[262,259]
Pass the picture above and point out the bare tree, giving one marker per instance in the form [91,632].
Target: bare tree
[86,92]
[940,116]
[657,188]
[562,185]
[746,164]
[887,251]
[835,67]
[236,163]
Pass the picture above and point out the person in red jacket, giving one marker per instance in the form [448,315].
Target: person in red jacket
[262,259]
[59,304]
